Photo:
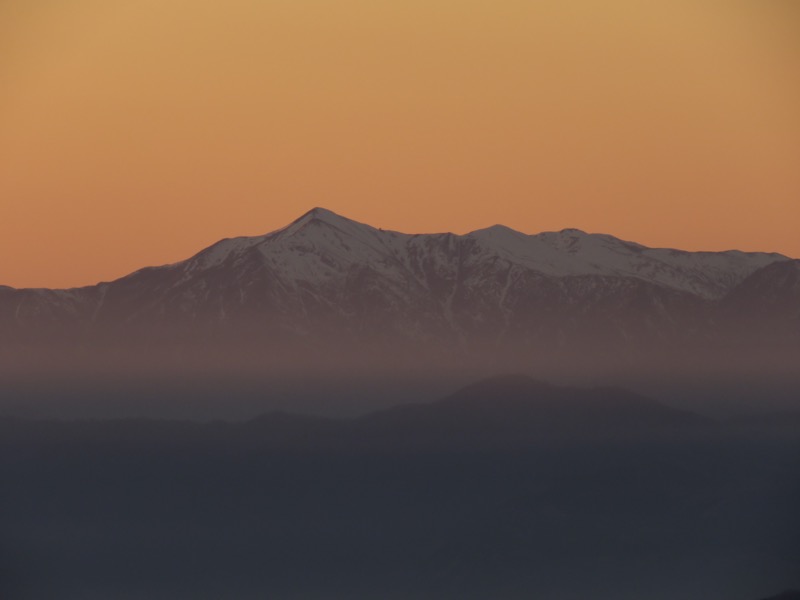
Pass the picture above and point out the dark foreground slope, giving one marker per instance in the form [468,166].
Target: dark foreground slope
[506,489]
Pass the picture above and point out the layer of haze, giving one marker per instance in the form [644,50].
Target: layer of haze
[136,133]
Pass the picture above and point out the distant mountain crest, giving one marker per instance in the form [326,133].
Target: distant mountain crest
[325,274]
[569,252]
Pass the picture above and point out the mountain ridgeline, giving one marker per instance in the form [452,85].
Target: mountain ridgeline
[326,282]
[499,413]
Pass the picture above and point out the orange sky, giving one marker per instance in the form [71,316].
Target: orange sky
[136,133]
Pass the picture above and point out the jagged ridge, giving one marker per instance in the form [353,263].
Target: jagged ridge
[325,274]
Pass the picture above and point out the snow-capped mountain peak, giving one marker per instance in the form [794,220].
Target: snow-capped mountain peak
[322,244]
[326,272]
[318,216]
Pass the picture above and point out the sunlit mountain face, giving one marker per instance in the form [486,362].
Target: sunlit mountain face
[325,279]
[330,299]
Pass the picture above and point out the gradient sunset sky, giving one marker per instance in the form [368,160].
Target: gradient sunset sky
[137,133]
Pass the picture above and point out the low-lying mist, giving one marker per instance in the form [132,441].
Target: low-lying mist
[508,488]
[238,392]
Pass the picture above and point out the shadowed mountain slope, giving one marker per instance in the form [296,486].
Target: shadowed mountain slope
[515,410]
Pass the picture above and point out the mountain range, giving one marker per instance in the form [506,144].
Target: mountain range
[325,280]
